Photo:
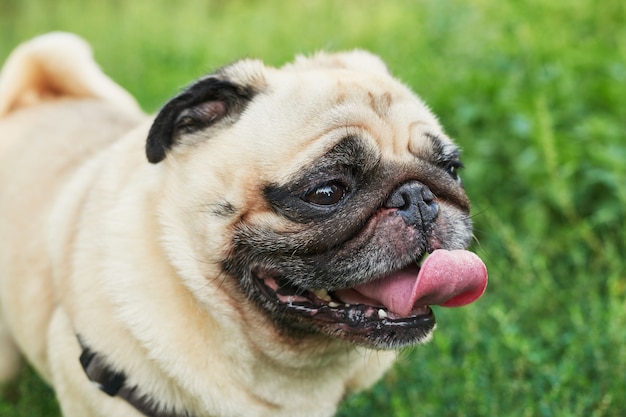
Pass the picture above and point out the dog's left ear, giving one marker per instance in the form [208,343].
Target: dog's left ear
[217,98]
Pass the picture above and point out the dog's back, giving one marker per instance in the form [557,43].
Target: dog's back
[51,92]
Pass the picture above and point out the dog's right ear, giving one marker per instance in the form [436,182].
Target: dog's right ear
[205,103]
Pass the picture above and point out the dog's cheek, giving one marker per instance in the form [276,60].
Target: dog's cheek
[452,230]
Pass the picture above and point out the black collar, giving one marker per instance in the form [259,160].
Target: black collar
[113,383]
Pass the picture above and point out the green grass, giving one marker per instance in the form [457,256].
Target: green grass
[535,93]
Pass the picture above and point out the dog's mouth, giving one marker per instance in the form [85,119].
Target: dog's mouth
[388,312]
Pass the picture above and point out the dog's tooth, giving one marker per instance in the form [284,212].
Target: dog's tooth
[382,314]
[333,304]
[322,295]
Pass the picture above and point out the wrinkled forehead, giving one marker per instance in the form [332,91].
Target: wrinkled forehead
[307,113]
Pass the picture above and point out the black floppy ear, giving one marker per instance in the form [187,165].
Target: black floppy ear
[201,105]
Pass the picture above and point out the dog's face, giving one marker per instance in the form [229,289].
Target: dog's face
[312,191]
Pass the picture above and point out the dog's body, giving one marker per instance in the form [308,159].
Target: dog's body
[163,276]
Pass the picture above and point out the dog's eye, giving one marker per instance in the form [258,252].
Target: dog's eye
[453,169]
[327,194]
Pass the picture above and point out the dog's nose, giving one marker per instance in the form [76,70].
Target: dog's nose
[415,203]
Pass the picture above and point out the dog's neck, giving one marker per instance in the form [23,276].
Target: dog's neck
[113,383]
[343,372]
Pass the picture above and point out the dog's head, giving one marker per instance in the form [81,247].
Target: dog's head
[316,191]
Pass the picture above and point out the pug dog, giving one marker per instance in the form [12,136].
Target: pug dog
[260,247]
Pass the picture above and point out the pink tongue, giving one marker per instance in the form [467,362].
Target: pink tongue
[447,278]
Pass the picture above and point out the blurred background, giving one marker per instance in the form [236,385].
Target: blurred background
[534,91]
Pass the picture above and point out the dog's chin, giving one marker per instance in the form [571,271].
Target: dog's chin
[343,314]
